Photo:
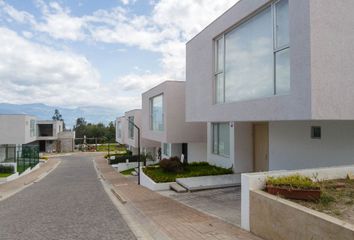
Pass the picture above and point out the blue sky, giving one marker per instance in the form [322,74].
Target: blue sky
[96,53]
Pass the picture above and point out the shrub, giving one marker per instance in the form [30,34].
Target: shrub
[293,181]
[7,169]
[173,164]
[129,153]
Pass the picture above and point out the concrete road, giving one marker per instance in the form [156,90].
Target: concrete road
[70,203]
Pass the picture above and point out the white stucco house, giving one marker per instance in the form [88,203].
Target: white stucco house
[273,80]
[127,134]
[15,130]
[48,135]
[52,138]
[163,111]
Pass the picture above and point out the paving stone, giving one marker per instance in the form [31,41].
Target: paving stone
[175,219]
[70,203]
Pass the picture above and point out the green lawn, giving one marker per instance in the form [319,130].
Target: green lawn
[112,148]
[4,175]
[128,171]
[192,170]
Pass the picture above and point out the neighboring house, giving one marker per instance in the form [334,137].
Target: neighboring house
[274,82]
[164,121]
[131,137]
[16,130]
[127,134]
[52,137]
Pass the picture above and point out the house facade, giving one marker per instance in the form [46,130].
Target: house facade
[131,139]
[52,137]
[163,111]
[15,130]
[273,80]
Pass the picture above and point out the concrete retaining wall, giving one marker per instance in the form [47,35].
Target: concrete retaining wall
[275,218]
[256,181]
[150,184]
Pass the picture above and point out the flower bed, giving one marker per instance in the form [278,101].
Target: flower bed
[197,169]
[294,187]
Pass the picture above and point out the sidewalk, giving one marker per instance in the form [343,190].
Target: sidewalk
[171,218]
[9,188]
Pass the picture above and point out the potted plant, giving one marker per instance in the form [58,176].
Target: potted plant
[294,187]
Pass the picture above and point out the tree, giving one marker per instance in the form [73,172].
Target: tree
[80,127]
[104,133]
[58,117]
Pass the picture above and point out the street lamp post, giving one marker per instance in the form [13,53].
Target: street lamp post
[138,148]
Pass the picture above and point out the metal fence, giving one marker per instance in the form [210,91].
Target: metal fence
[21,156]
[27,157]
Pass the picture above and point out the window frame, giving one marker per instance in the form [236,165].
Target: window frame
[166,149]
[131,127]
[151,102]
[217,152]
[272,6]
[32,128]
[313,132]
[119,129]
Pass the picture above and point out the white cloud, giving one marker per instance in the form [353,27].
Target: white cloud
[45,71]
[30,72]
[127,2]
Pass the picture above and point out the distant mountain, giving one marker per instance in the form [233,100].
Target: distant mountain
[41,111]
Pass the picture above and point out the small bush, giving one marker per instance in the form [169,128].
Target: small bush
[293,181]
[173,164]
[7,169]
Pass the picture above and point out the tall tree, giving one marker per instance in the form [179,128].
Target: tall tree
[58,117]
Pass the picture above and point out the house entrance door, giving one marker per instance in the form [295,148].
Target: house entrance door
[261,147]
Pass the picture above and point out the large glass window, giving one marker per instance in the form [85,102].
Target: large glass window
[131,127]
[32,128]
[221,139]
[166,149]
[252,60]
[156,113]
[119,129]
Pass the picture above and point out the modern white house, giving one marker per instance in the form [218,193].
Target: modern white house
[48,131]
[127,134]
[163,111]
[49,135]
[15,130]
[273,80]
[131,139]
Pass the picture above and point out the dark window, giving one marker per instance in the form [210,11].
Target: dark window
[316,132]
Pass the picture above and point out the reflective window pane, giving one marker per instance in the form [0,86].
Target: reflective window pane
[282,72]
[215,138]
[224,139]
[131,127]
[220,55]
[156,108]
[219,87]
[249,59]
[221,139]
[282,23]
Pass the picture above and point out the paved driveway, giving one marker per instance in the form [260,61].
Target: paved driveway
[223,203]
[70,203]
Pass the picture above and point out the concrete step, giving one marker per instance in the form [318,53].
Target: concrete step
[134,173]
[177,188]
